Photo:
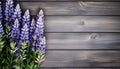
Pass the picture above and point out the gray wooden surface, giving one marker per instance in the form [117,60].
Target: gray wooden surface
[81,34]
[82,59]
[82,24]
[74,8]
[81,41]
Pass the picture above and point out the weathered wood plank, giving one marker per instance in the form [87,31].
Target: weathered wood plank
[83,41]
[75,68]
[82,24]
[82,59]
[74,8]
[70,0]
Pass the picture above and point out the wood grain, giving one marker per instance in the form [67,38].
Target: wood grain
[82,24]
[83,41]
[73,8]
[82,59]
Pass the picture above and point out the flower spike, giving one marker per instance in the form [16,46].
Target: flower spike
[15,33]
[17,13]
[32,29]
[26,18]
[24,38]
[9,10]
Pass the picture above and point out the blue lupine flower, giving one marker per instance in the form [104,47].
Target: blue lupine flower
[0,12]
[43,45]
[1,27]
[26,19]
[38,37]
[9,10]
[24,38]
[1,30]
[15,33]
[40,14]
[36,44]
[40,20]
[39,44]
[32,29]
[17,13]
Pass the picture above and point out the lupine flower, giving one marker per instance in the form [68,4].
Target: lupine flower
[1,30]
[17,13]
[24,38]
[40,20]
[40,14]
[1,27]
[9,10]
[26,19]
[15,33]
[43,45]
[0,12]
[36,42]
[32,29]
[38,38]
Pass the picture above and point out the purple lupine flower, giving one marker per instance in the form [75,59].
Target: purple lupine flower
[38,37]
[32,29]
[9,10]
[39,44]
[43,45]
[15,33]
[40,14]
[24,38]
[17,13]
[1,27]
[40,20]
[36,46]
[1,30]
[0,12]
[26,18]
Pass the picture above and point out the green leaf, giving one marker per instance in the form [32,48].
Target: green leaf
[12,45]
[3,60]
[24,45]
[42,60]
[2,42]
[43,56]
[35,66]
[16,67]
[16,59]
[1,47]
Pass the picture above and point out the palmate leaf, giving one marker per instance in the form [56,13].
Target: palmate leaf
[40,58]
[13,47]
[24,46]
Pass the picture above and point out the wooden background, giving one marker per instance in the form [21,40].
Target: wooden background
[81,34]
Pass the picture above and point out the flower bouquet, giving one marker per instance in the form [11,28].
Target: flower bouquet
[22,40]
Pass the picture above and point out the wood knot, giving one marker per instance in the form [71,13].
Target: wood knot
[93,36]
